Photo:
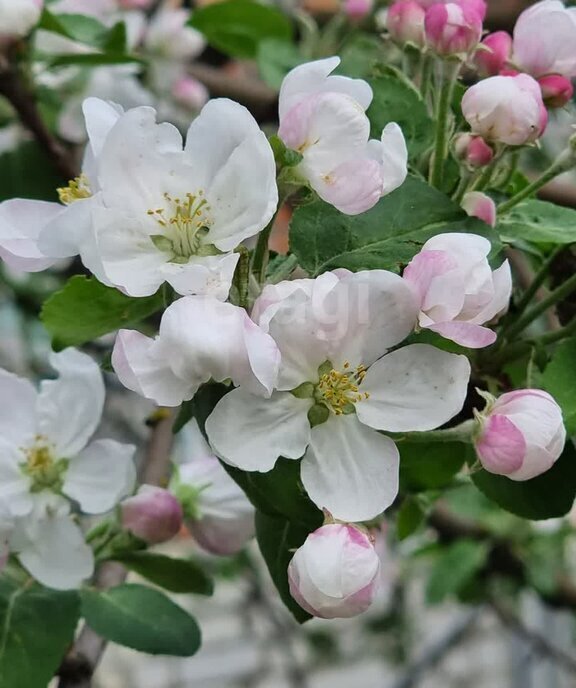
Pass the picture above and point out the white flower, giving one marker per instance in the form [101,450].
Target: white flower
[200,338]
[332,333]
[323,118]
[217,512]
[162,213]
[46,461]
[17,17]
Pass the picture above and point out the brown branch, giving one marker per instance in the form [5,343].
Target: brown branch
[14,88]
[502,559]
[80,663]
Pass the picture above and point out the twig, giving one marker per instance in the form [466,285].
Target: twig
[80,663]
[430,657]
[247,91]
[540,644]
[23,100]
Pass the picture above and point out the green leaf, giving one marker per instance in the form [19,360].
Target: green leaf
[549,495]
[559,379]
[37,627]
[76,27]
[385,237]
[410,517]
[455,567]
[396,100]
[85,309]
[277,539]
[175,575]
[285,157]
[141,618]
[275,59]
[27,172]
[360,56]
[238,26]
[93,59]
[539,222]
[430,466]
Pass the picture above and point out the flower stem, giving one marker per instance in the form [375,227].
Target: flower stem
[284,270]
[565,161]
[443,113]
[261,252]
[460,433]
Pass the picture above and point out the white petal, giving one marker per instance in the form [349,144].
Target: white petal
[313,77]
[350,469]
[14,485]
[251,432]
[394,158]
[64,235]
[190,444]
[236,169]
[100,116]
[202,275]
[101,475]
[70,407]
[56,554]
[18,404]
[141,371]
[418,387]
[21,222]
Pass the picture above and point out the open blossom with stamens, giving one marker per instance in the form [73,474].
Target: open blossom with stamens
[322,116]
[457,290]
[166,214]
[200,338]
[18,17]
[338,386]
[217,512]
[45,464]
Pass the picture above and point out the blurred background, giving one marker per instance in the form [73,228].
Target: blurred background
[433,626]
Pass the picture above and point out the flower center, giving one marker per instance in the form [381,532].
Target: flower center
[77,189]
[340,390]
[40,465]
[185,224]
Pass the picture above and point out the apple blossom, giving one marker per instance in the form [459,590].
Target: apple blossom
[18,17]
[405,22]
[217,512]
[544,39]
[473,150]
[506,109]
[557,90]
[161,213]
[153,514]
[337,387]
[493,53]
[335,573]
[199,338]
[46,463]
[452,29]
[480,205]
[356,10]
[323,118]
[457,290]
[521,434]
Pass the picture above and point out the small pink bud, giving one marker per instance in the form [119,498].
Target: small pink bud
[356,10]
[521,434]
[506,109]
[191,93]
[473,150]
[479,6]
[405,22]
[557,90]
[335,573]
[135,4]
[479,205]
[152,514]
[452,29]
[493,53]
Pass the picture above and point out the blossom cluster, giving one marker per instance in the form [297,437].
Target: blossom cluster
[332,371]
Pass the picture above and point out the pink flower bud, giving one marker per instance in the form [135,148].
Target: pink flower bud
[191,93]
[135,4]
[473,150]
[506,109]
[405,22]
[479,6]
[453,29]
[521,434]
[557,90]
[335,573]
[356,10]
[152,514]
[479,205]
[493,53]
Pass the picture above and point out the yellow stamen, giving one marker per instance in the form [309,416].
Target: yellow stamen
[77,189]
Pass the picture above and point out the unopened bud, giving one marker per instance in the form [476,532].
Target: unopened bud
[356,10]
[191,93]
[473,150]
[452,29]
[405,22]
[557,90]
[477,204]
[152,514]
[493,53]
